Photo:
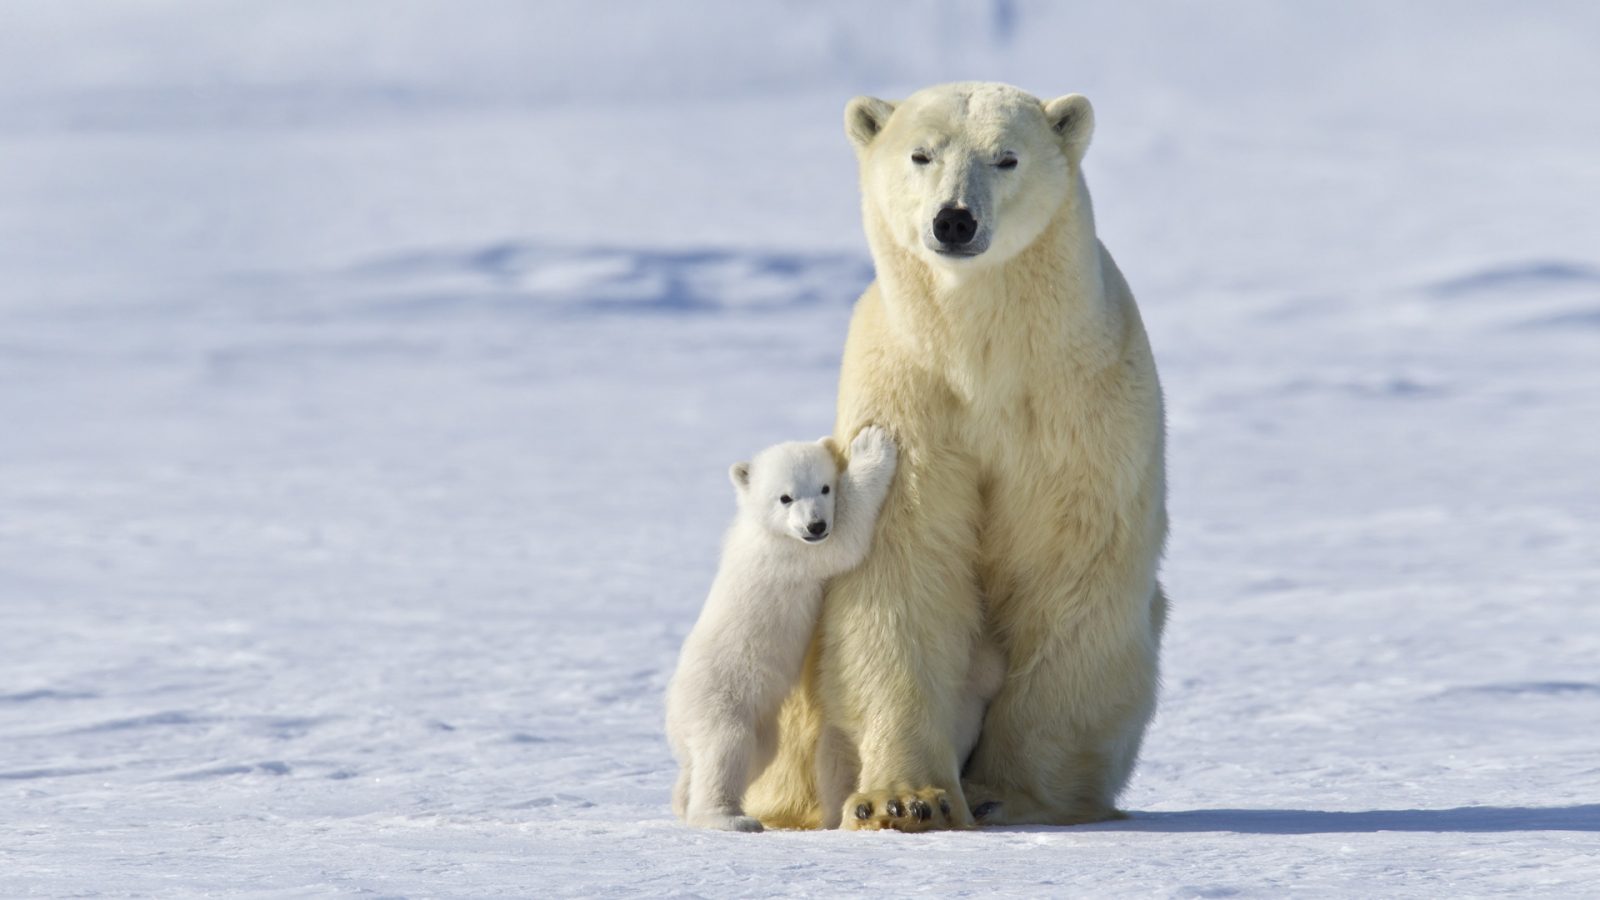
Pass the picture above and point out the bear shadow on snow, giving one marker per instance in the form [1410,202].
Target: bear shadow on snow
[1464,819]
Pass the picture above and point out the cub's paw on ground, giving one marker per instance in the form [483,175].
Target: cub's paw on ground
[718,822]
[905,809]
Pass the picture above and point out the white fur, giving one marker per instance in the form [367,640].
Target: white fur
[746,651]
[1030,504]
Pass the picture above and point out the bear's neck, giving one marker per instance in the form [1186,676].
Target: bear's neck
[1044,308]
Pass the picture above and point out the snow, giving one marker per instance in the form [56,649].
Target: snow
[368,375]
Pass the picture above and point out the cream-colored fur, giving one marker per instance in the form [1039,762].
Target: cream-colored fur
[1030,501]
[801,521]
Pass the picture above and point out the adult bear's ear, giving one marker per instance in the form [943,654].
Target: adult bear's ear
[1072,118]
[739,474]
[864,117]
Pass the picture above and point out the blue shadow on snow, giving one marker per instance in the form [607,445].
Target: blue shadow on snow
[1311,821]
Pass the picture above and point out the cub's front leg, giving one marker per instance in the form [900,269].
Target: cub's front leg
[873,456]
[862,488]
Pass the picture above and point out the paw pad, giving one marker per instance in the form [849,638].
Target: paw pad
[905,809]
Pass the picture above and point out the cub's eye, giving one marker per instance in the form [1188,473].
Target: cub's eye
[824,489]
[786,499]
[920,158]
[1006,162]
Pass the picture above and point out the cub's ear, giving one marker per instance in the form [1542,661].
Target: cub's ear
[864,117]
[1072,118]
[739,474]
[832,446]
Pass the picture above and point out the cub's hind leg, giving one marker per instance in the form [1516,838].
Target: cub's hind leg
[680,792]
[838,770]
[722,769]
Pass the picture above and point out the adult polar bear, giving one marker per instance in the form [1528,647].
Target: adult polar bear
[1002,348]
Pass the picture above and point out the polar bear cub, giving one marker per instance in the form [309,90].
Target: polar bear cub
[800,522]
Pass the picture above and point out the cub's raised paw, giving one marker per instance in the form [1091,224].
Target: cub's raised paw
[905,809]
[872,444]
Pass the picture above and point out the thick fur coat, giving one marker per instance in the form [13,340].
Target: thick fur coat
[800,522]
[1002,348]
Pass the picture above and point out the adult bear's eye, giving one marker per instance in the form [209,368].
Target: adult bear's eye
[824,489]
[1006,162]
[786,499]
[920,158]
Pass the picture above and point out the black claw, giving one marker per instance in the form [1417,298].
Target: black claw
[944,805]
[864,811]
[921,810]
[983,810]
[896,808]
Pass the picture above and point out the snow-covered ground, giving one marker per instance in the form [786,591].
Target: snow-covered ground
[368,374]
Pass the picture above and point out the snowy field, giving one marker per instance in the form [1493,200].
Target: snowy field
[369,372]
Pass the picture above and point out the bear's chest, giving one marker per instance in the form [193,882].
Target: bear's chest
[1045,423]
[1058,444]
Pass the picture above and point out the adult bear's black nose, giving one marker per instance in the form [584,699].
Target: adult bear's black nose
[817,527]
[954,226]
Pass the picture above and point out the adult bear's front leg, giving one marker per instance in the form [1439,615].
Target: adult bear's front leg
[897,639]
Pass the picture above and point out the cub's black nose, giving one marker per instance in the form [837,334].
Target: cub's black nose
[817,527]
[954,226]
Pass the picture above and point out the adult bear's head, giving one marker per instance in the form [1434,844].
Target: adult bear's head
[967,174]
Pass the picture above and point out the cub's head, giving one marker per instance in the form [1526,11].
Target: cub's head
[790,488]
[967,174]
